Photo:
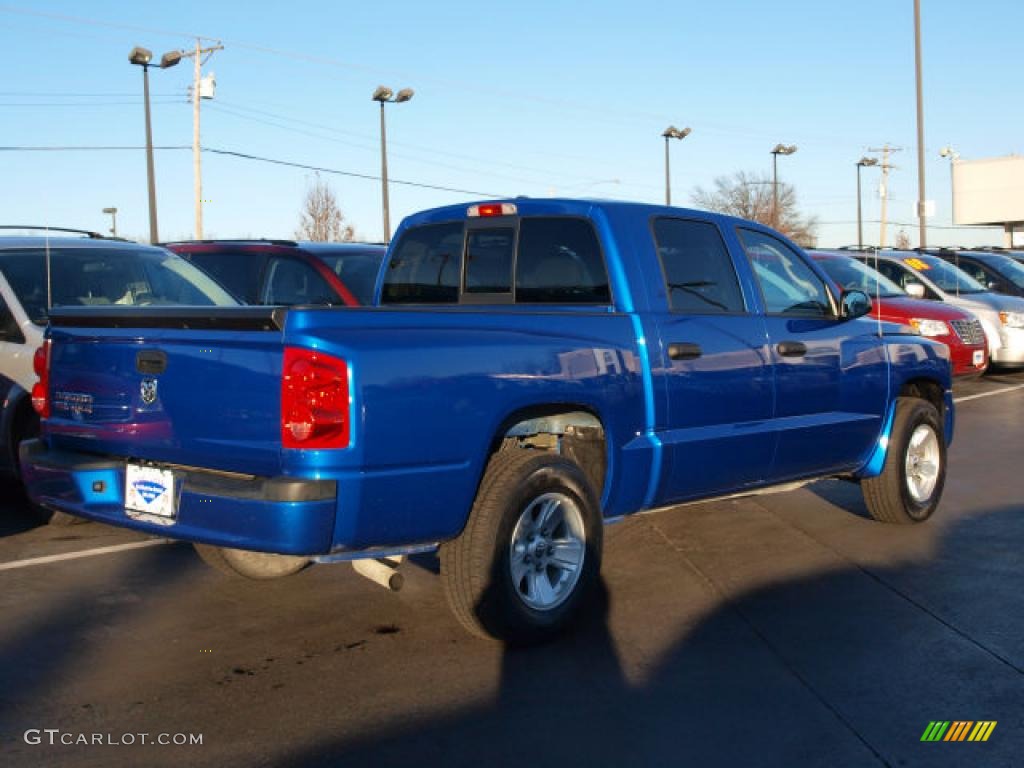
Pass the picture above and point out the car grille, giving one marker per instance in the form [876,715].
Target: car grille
[969,331]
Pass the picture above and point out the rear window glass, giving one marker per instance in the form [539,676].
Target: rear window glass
[560,262]
[489,260]
[426,266]
[103,277]
[358,271]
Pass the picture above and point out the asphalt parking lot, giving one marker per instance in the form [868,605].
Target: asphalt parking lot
[783,630]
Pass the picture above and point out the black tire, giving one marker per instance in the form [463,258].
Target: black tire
[476,567]
[888,497]
[250,565]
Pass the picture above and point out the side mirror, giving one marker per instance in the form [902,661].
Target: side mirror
[854,304]
[915,289]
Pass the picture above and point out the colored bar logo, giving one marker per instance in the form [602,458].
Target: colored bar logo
[959,730]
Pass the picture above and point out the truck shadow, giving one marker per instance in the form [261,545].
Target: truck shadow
[39,656]
[843,666]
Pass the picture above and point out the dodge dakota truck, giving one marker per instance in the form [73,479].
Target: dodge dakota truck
[531,370]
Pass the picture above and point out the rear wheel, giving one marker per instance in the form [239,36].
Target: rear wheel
[910,485]
[530,555]
[251,565]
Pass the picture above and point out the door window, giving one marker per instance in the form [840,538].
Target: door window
[788,284]
[699,273]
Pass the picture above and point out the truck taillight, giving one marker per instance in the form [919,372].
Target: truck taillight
[41,389]
[314,400]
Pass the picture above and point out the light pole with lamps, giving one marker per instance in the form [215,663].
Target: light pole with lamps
[384,95]
[142,57]
[862,163]
[671,133]
[778,149]
[113,220]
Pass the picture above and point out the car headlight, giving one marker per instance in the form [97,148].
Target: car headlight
[1012,319]
[930,327]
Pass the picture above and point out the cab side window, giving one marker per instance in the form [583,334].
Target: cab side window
[699,273]
[788,284]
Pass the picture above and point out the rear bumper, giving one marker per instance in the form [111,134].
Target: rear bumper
[284,515]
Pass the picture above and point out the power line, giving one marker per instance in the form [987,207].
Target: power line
[257,158]
[353,174]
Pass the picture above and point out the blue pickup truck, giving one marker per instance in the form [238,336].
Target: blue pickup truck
[533,370]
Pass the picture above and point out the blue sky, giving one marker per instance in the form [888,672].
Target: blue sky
[532,98]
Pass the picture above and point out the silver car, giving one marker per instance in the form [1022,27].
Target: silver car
[929,277]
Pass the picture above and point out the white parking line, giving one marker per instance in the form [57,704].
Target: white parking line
[1002,391]
[81,553]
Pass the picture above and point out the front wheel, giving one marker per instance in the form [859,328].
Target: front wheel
[910,485]
[530,554]
[251,565]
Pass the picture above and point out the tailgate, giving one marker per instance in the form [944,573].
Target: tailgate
[198,388]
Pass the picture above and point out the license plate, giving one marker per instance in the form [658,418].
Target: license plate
[979,358]
[150,493]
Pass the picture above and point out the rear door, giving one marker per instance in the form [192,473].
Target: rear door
[718,435]
[831,376]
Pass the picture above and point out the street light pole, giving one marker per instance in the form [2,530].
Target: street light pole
[860,221]
[671,133]
[154,237]
[383,95]
[142,57]
[923,236]
[778,149]
[113,220]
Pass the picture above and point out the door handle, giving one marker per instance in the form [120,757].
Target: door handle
[684,350]
[791,348]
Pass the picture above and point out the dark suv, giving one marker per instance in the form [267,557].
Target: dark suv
[286,272]
[999,272]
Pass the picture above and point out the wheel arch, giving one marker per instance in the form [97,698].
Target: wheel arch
[575,430]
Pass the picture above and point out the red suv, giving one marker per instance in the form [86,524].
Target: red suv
[957,328]
[285,272]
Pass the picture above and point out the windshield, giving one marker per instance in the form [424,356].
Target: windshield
[358,271]
[851,274]
[103,277]
[1009,268]
[943,274]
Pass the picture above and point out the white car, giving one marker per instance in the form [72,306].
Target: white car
[83,271]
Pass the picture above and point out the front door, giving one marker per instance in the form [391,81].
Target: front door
[831,375]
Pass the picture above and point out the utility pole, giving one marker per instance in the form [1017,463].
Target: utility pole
[923,237]
[883,190]
[200,56]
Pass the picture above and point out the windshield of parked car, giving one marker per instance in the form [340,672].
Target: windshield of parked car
[1008,267]
[358,271]
[943,274]
[82,277]
[851,274]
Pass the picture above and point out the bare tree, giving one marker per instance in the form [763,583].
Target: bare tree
[903,241]
[321,219]
[749,196]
